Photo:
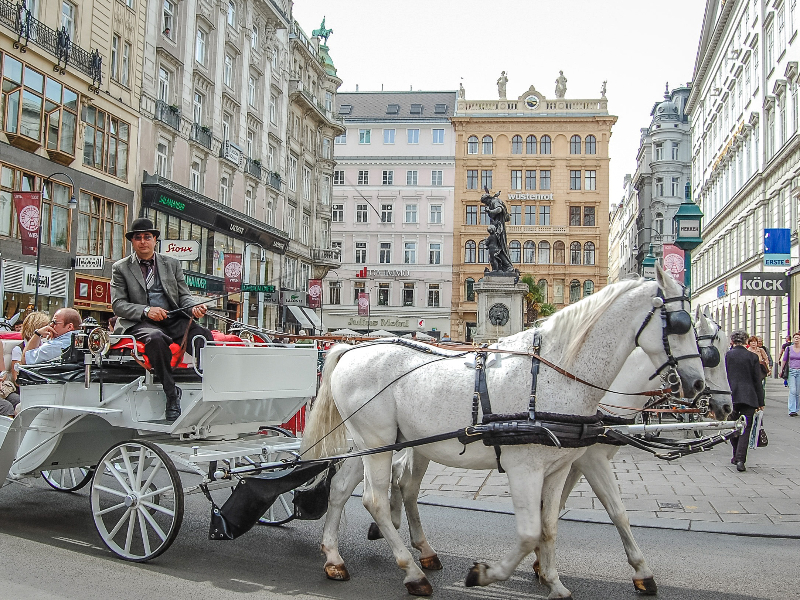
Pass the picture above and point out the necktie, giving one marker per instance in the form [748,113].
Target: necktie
[148,272]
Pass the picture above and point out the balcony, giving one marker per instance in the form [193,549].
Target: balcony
[274,181]
[327,256]
[253,167]
[201,135]
[171,115]
[299,93]
[57,43]
[232,152]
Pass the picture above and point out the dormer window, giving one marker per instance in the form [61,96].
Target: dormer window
[393,109]
[345,109]
[440,109]
[416,109]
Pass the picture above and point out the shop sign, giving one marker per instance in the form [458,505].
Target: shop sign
[29,216]
[250,287]
[421,323]
[777,247]
[292,298]
[382,323]
[722,290]
[688,228]
[530,196]
[171,203]
[29,281]
[181,249]
[764,284]
[233,272]
[92,291]
[90,263]
[272,298]
[315,293]
[364,273]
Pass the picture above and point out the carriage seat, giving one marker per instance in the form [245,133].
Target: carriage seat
[10,340]
[180,360]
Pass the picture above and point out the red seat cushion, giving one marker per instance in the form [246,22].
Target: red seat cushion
[177,355]
[10,335]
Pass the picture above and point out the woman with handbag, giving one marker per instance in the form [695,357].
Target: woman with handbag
[763,360]
[790,371]
[744,376]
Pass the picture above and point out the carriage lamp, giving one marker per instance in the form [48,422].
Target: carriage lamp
[649,265]
[688,221]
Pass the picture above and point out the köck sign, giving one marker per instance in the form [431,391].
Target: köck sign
[764,284]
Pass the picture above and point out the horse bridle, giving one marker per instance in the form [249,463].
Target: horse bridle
[710,357]
[677,322]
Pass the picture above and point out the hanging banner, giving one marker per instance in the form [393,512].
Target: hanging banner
[28,206]
[233,272]
[674,262]
[778,247]
[315,293]
[363,304]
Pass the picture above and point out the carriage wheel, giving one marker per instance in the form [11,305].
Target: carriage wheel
[282,510]
[137,500]
[68,480]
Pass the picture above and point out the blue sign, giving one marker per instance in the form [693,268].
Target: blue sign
[777,247]
[722,289]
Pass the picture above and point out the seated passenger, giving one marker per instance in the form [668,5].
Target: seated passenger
[48,342]
[10,403]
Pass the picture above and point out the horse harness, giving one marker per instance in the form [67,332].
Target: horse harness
[710,357]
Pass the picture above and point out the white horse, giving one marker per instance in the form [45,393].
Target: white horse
[389,391]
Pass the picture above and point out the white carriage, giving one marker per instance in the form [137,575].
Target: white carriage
[97,418]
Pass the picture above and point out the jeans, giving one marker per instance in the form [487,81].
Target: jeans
[794,390]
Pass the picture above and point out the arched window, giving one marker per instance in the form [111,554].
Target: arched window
[588,253]
[575,253]
[483,254]
[544,145]
[530,144]
[516,144]
[469,252]
[515,252]
[469,285]
[543,286]
[575,144]
[574,291]
[232,13]
[559,252]
[488,144]
[472,144]
[658,224]
[588,288]
[544,253]
[529,252]
[591,144]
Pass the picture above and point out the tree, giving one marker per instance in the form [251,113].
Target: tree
[535,306]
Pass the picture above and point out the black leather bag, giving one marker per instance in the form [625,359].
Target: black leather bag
[785,370]
[763,440]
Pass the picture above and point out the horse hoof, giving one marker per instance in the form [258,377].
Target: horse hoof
[536,567]
[374,532]
[646,586]
[337,572]
[421,587]
[474,574]
[431,563]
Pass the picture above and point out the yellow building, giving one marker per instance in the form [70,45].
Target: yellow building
[549,158]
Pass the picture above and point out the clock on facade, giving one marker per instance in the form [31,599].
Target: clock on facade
[532,101]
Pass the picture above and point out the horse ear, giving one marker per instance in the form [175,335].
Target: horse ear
[661,276]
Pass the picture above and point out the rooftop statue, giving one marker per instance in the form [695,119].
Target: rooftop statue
[501,85]
[561,85]
[322,32]
[603,90]
[461,92]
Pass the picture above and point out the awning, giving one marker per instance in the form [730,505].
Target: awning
[312,316]
[301,317]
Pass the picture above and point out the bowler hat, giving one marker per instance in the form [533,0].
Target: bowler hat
[141,225]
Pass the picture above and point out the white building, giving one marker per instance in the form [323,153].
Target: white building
[393,212]
[743,109]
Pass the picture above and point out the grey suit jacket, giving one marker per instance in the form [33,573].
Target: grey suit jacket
[129,294]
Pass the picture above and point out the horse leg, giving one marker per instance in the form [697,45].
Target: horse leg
[551,498]
[410,483]
[377,475]
[342,485]
[525,483]
[399,467]
[597,469]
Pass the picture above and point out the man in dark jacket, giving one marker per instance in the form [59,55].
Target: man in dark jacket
[145,287]
[744,377]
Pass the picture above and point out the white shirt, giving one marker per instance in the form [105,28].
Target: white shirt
[49,350]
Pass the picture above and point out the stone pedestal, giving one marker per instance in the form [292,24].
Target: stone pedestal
[501,303]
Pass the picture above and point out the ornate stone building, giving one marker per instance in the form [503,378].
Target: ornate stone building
[549,157]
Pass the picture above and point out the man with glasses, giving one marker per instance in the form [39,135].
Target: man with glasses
[145,288]
[48,342]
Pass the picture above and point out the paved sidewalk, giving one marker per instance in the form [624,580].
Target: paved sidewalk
[702,492]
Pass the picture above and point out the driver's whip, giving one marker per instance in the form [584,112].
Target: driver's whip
[206,301]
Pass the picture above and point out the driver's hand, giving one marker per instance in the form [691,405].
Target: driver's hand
[156,313]
[199,311]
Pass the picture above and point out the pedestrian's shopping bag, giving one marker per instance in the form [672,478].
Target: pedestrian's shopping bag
[758,419]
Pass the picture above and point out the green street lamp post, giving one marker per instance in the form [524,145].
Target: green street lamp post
[649,265]
[688,222]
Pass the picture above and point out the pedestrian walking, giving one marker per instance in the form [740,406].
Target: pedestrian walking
[791,359]
[744,377]
[766,350]
[787,342]
[752,346]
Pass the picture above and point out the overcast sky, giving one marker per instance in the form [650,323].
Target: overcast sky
[637,45]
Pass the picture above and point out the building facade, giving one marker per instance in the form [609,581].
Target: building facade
[743,109]
[549,158]
[622,232]
[69,126]
[393,212]
[237,105]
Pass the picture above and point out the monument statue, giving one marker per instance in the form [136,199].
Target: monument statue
[322,32]
[603,90]
[501,85]
[561,85]
[461,93]
[497,241]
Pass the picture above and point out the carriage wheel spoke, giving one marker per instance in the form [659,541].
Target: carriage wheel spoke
[119,524]
[126,459]
[109,509]
[111,467]
[285,505]
[159,508]
[155,492]
[156,467]
[153,524]
[143,529]
[131,527]
[103,488]
[72,477]
[140,470]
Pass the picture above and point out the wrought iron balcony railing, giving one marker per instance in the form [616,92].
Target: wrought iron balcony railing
[58,43]
[201,135]
[274,180]
[171,115]
[253,167]
[327,255]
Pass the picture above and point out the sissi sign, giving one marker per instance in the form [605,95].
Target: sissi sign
[181,249]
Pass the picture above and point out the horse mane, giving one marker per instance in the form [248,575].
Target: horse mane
[568,328]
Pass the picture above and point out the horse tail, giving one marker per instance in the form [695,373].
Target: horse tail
[324,434]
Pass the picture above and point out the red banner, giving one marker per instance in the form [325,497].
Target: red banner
[363,304]
[233,272]
[28,205]
[315,293]
[674,262]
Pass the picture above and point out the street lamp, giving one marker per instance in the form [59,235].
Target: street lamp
[73,203]
[649,265]
[688,220]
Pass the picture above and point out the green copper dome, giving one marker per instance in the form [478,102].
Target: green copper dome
[330,69]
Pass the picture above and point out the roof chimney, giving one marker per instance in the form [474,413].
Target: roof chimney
[356,87]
